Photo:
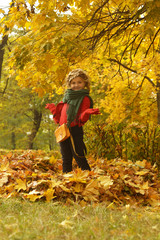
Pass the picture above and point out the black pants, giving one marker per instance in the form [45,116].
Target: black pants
[68,152]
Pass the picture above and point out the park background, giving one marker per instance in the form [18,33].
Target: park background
[118,44]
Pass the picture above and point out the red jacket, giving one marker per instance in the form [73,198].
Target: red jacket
[60,115]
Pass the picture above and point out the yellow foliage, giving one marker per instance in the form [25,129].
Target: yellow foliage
[31,2]
[117,42]
[2,11]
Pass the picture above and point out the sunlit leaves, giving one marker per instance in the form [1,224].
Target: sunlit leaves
[117,42]
[33,176]
[2,11]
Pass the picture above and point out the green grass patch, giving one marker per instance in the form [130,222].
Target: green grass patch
[23,220]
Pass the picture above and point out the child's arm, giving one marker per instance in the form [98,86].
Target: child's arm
[55,110]
[51,107]
[86,114]
[86,111]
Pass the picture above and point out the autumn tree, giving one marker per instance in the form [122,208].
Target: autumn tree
[117,42]
[2,46]
[121,33]
[24,122]
[128,34]
[4,31]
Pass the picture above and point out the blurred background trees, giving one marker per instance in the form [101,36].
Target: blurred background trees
[116,42]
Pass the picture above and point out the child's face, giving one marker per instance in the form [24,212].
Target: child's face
[77,84]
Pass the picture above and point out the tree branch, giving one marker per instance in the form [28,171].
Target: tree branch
[4,90]
[87,24]
[2,51]
[152,42]
[139,89]
[131,70]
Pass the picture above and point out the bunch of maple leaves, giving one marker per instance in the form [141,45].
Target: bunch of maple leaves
[37,175]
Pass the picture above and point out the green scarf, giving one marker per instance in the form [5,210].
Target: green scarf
[74,99]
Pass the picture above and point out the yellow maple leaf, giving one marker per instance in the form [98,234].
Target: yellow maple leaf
[91,190]
[55,183]
[105,181]
[83,203]
[154,202]
[141,164]
[31,2]
[145,186]
[52,160]
[9,188]
[132,184]
[4,166]
[65,189]
[67,224]
[141,191]
[49,194]
[141,173]
[3,179]
[34,195]
[78,176]
[2,11]
[78,187]
[27,25]
[21,185]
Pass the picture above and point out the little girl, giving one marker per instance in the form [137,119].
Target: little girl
[74,110]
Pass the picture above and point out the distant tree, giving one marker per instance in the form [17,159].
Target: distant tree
[20,117]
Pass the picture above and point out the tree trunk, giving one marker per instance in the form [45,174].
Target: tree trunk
[158,97]
[13,140]
[2,45]
[4,41]
[35,128]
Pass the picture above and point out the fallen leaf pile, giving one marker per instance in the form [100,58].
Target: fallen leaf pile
[35,175]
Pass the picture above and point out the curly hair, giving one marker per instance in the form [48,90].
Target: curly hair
[78,73]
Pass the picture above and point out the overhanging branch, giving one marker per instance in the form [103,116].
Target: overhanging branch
[130,69]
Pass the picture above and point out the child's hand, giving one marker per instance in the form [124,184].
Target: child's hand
[93,111]
[51,107]
[85,115]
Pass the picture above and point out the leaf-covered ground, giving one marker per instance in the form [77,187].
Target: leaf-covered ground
[37,175]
